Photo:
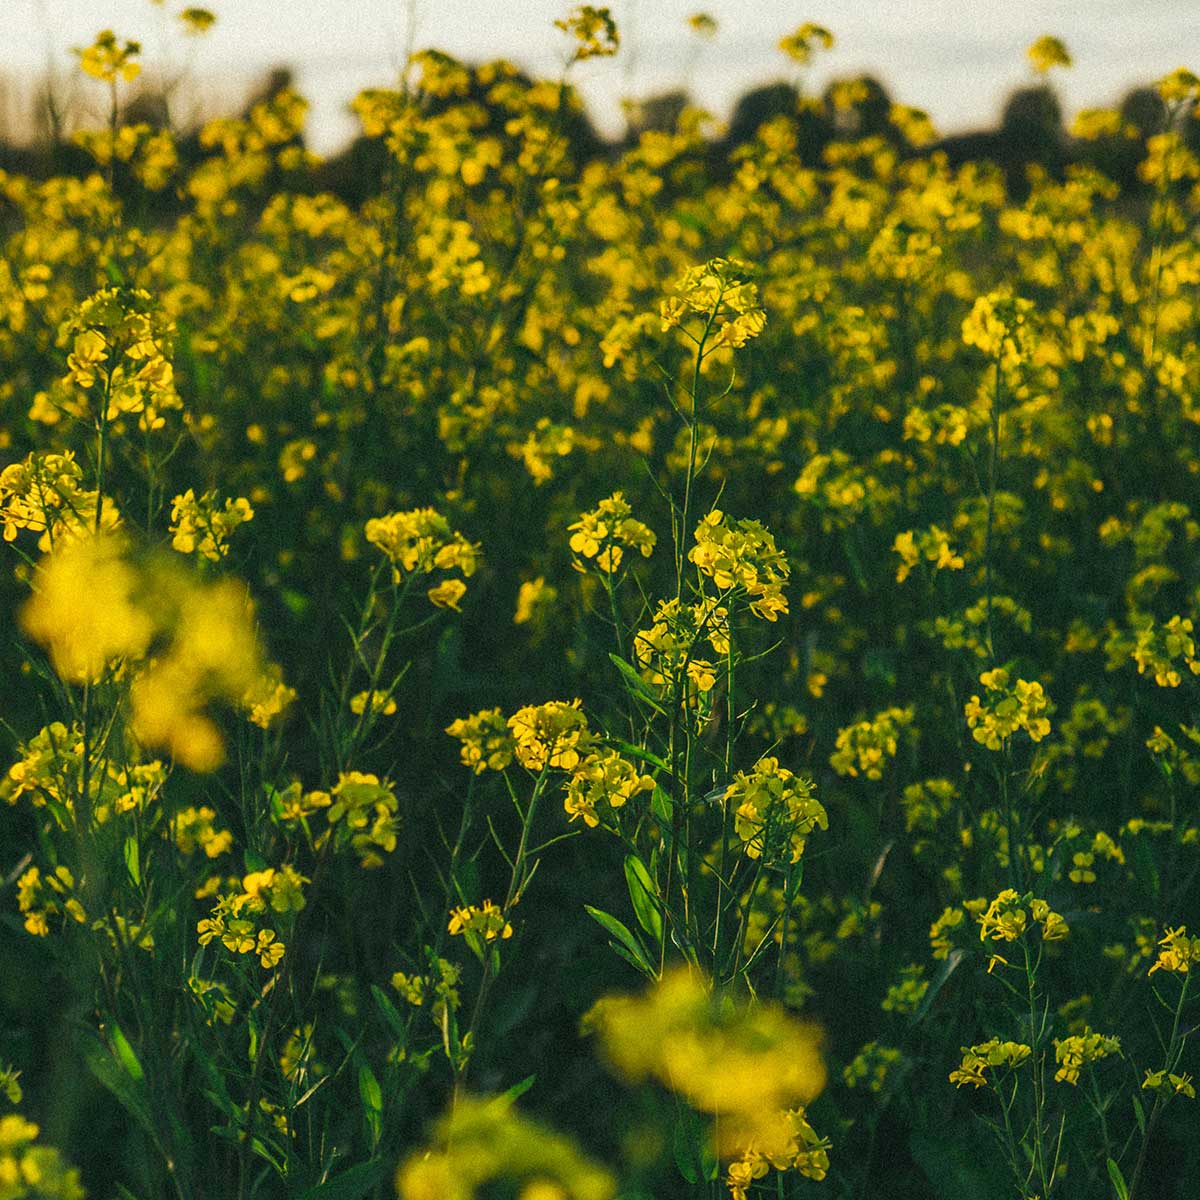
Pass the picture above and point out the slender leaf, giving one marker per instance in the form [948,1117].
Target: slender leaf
[641,895]
[624,937]
[1118,1180]
[351,1184]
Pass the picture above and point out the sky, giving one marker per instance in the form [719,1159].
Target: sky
[957,59]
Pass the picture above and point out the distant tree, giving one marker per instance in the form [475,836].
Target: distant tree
[814,130]
[660,113]
[860,108]
[1032,125]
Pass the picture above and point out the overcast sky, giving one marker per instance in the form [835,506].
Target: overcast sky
[956,58]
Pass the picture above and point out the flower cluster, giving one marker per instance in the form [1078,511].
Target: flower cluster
[866,747]
[49,772]
[202,527]
[40,897]
[29,1170]
[360,812]
[120,360]
[1162,649]
[483,1146]
[1177,1085]
[1074,1053]
[108,58]
[487,742]
[993,1053]
[1007,709]
[196,829]
[95,608]
[45,495]
[1006,918]
[237,918]
[667,651]
[774,811]
[595,31]
[421,542]
[1179,952]
[743,1064]
[604,780]
[742,555]
[932,545]
[720,294]
[605,532]
[799,45]
[997,325]
[791,1144]
[485,920]
[438,987]
[554,734]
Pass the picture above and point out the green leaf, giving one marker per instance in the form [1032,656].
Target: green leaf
[372,1098]
[640,753]
[623,937]
[126,1091]
[1118,1181]
[660,805]
[693,1149]
[636,684]
[641,895]
[125,1054]
[297,603]
[390,1013]
[686,1158]
[1140,1113]
[352,1183]
[517,1090]
[936,984]
[131,861]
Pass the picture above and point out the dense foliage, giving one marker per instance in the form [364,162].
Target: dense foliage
[609,674]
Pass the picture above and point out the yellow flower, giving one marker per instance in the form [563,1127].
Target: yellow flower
[269,951]
[486,740]
[534,600]
[978,1059]
[484,1148]
[746,1063]
[867,746]
[1178,952]
[607,531]
[1074,1053]
[1007,709]
[606,779]
[107,58]
[381,703]
[774,811]
[997,326]
[85,609]
[200,527]
[421,542]
[1048,52]
[594,29]
[486,919]
[550,735]
[197,20]
[447,594]
[1180,1085]
[799,46]
[742,555]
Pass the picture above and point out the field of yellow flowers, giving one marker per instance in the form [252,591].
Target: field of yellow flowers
[595,676]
